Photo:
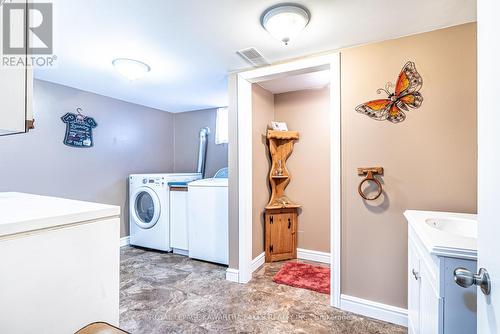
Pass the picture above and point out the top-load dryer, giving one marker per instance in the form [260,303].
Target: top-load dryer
[149,208]
[208,219]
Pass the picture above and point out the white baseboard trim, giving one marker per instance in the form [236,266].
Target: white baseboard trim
[392,314]
[311,255]
[125,241]
[303,254]
[233,275]
[258,261]
[180,251]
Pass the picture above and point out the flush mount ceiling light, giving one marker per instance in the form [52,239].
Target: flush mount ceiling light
[285,21]
[130,68]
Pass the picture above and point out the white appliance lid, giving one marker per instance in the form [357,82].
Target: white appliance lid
[26,212]
[209,183]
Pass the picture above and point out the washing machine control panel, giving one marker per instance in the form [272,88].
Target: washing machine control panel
[147,180]
[151,181]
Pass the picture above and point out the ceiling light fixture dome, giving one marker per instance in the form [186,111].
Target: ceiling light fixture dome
[285,21]
[130,68]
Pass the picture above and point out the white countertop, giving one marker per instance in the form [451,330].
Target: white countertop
[438,242]
[21,213]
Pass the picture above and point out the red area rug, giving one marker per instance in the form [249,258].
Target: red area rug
[303,275]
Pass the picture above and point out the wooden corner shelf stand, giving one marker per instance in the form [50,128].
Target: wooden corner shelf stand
[281,212]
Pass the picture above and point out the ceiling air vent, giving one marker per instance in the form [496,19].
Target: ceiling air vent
[253,57]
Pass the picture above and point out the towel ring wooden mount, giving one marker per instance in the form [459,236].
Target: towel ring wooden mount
[369,172]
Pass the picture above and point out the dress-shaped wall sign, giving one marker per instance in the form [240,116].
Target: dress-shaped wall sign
[78,129]
[405,95]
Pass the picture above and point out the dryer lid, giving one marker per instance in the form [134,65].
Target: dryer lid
[209,183]
[222,173]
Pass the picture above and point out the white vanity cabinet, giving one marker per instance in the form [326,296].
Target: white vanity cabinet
[436,304]
[16,84]
[424,301]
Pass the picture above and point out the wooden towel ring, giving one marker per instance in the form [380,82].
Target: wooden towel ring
[369,177]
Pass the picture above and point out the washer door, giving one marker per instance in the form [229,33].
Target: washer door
[146,207]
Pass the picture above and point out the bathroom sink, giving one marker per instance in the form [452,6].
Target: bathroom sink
[457,226]
[448,234]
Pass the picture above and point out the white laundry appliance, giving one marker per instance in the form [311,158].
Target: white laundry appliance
[150,208]
[208,220]
[153,206]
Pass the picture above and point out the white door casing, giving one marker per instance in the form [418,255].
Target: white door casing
[244,91]
[15,83]
[488,307]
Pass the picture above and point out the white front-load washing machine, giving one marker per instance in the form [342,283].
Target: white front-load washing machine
[149,216]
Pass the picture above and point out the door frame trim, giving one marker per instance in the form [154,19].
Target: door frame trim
[244,113]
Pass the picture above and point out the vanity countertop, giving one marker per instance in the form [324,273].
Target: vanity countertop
[21,213]
[443,243]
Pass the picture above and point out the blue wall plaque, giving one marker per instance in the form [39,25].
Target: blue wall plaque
[78,130]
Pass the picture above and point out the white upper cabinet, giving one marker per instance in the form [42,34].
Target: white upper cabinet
[16,82]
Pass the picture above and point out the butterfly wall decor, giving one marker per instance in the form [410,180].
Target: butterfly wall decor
[404,96]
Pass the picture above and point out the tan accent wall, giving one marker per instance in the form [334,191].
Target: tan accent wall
[429,160]
[306,111]
[263,114]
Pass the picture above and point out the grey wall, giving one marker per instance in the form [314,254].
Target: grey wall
[186,129]
[129,139]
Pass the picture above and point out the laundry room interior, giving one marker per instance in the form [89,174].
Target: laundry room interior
[125,132]
[161,205]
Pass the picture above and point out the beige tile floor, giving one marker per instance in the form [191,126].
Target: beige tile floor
[168,293]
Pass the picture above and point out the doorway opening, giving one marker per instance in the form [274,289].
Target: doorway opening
[305,94]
